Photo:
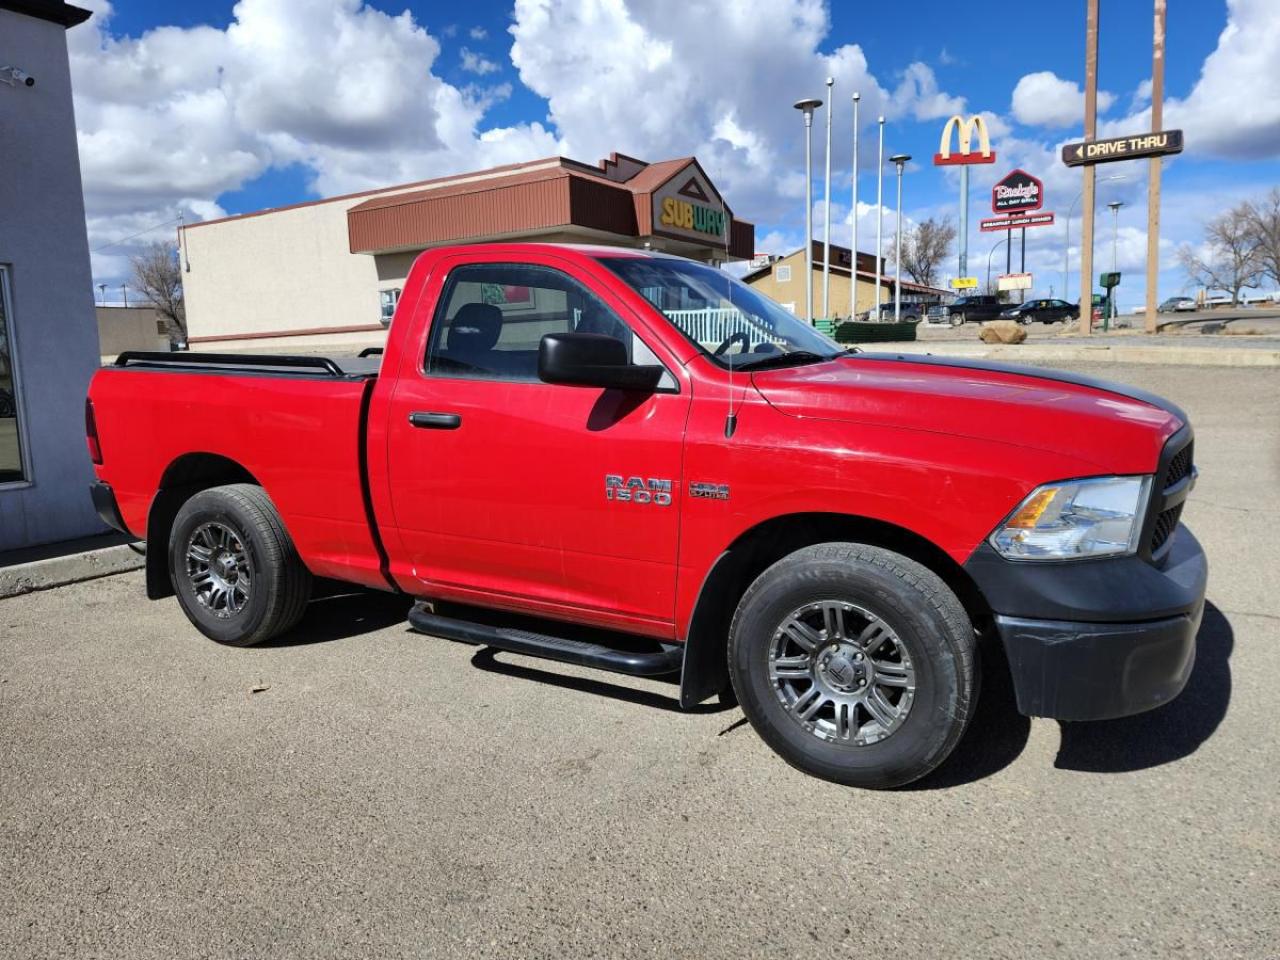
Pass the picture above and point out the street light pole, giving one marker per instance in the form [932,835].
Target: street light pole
[879,217]
[1066,250]
[989,256]
[826,217]
[102,289]
[853,247]
[1115,206]
[899,161]
[807,107]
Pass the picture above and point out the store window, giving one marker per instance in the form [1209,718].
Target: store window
[11,462]
[389,300]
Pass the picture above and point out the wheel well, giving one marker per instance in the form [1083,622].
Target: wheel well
[182,479]
[706,669]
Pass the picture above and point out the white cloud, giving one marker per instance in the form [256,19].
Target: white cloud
[1044,99]
[918,95]
[477,63]
[645,84]
[478,33]
[169,120]
[1234,108]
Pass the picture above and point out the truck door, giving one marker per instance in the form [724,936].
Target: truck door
[560,500]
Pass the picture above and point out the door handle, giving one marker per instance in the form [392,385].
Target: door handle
[435,421]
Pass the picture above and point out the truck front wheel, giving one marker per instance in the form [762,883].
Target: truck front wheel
[855,664]
[235,569]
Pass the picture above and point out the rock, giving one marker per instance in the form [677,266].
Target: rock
[1002,331]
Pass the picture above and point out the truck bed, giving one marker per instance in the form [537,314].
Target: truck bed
[164,418]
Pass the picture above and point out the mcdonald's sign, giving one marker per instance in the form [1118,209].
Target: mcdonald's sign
[966,155]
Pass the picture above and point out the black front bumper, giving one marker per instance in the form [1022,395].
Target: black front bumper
[1097,639]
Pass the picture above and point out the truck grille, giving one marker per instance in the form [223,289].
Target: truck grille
[1178,469]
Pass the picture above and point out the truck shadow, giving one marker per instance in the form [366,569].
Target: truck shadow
[1167,733]
[339,613]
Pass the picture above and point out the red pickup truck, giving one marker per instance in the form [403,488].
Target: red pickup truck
[634,462]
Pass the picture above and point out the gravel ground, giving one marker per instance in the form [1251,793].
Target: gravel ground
[389,794]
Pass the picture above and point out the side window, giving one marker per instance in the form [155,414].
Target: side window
[492,316]
[784,273]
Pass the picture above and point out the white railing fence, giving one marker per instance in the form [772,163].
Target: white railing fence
[715,325]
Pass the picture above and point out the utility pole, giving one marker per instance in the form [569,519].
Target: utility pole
[807,107]
[853,247]
[826,217]
[1090,133]
[124,289]
[879,217]
[1153,180]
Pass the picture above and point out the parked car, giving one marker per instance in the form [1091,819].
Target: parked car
[1177,305]
[1045,311]
[978,308]
[556,456]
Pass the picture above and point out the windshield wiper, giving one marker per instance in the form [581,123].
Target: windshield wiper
[793,359]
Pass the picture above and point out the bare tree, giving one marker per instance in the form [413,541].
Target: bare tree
[1263,217]
[158,274]
[1228,260]
[925,246]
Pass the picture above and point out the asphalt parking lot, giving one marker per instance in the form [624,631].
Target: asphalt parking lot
[389,794]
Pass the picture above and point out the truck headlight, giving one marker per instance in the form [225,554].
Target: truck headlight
[1075,519]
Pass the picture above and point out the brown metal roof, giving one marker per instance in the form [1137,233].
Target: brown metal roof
[564,194]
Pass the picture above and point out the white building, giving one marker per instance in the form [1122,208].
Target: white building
[48,334]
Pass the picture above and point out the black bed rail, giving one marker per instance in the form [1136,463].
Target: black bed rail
[371,352]
[240,361]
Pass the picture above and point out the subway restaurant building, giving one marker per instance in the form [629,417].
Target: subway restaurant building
[329,273]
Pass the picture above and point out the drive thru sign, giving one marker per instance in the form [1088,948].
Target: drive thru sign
[1122,148]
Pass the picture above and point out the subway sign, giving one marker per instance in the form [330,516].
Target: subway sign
[691,216]
[688,207]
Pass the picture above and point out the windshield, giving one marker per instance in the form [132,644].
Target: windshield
[731,323]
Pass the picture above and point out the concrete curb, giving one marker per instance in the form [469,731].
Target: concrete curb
[1092,353]
[23,578]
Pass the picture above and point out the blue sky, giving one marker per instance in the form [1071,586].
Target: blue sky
[276,101]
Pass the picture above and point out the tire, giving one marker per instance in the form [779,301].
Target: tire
[918,670]
[238,528]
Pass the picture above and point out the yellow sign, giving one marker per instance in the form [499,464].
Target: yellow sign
[691,216]
[964,283]
[966,129]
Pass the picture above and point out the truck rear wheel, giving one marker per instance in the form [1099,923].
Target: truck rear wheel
[855,664]
[235,569]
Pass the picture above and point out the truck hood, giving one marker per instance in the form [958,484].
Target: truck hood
[1115,428]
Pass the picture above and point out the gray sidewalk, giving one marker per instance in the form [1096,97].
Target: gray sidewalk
[56,564]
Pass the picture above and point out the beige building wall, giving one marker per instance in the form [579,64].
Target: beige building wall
[250,275]
[130,328]
[790,291]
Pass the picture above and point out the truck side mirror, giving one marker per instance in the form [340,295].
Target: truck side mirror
[593,360]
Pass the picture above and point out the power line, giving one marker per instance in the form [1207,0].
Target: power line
[156,226]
